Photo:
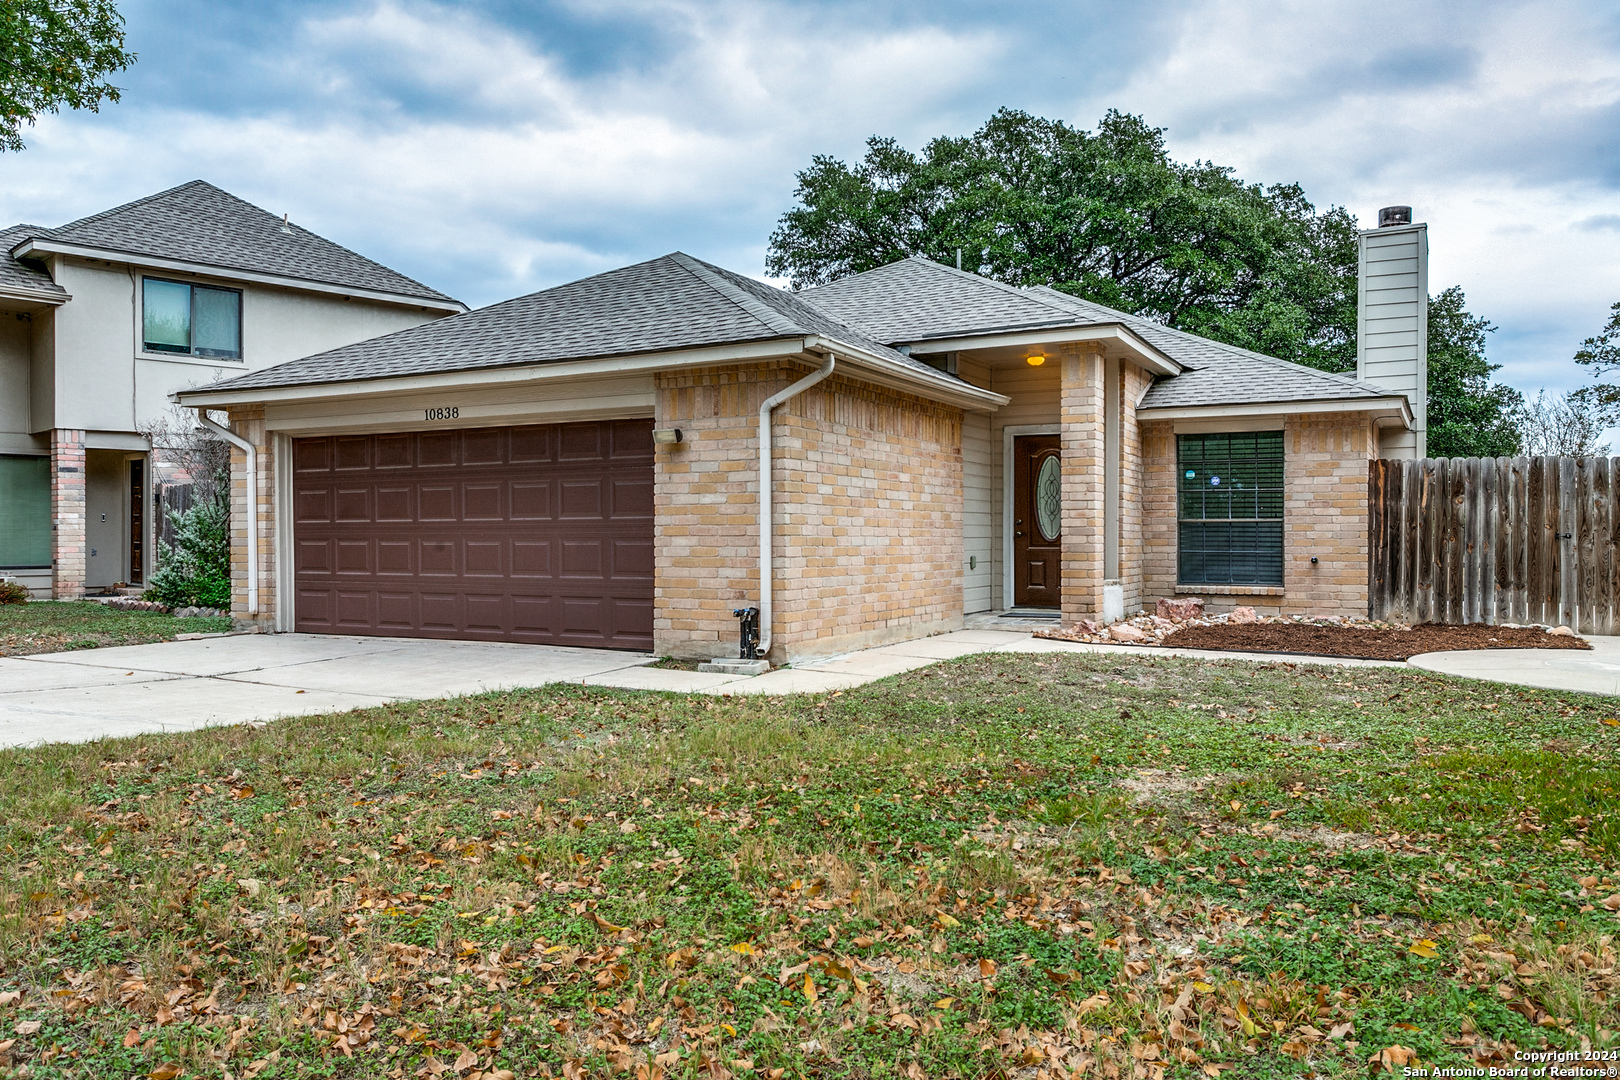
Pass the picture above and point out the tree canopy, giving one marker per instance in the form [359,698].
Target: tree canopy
[1469,415]
[1108,216]
[55,53]
[1111,217]
[1601,355]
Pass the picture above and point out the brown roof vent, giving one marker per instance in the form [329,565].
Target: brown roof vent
[1391,216]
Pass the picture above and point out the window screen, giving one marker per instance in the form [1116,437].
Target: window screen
[194,320]
[1230,506]
[25,512]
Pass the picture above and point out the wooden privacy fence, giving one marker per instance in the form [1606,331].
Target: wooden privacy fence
[1495,540]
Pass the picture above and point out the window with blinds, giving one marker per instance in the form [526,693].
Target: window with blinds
[25,512]
[1230,508]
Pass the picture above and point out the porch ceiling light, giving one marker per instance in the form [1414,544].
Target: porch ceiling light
[1036,360]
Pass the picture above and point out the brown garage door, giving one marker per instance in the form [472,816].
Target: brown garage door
[533,534]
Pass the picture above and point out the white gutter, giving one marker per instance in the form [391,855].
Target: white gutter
[252,503]
[764,646]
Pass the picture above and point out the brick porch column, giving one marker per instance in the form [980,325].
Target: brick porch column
[248,422]
[1083,524]
[68,551]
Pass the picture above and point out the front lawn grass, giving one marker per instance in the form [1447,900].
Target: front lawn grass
[1001,866]
[58,626]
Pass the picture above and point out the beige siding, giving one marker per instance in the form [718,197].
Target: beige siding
[1392,325]
[980,511]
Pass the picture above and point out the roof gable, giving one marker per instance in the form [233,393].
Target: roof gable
[199,223]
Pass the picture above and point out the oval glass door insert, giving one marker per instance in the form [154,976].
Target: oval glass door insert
[1049,499]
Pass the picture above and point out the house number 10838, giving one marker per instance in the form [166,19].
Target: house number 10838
[449,413]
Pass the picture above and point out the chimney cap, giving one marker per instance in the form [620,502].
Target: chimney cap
[1391,216]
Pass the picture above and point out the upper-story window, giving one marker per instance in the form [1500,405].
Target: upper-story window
[193,320]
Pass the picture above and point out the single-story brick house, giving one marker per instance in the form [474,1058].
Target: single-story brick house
[582,465]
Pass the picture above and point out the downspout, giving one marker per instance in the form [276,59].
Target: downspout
[252,453]
[765,408]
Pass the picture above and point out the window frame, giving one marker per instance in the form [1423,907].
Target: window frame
[191,350]
[1235,526]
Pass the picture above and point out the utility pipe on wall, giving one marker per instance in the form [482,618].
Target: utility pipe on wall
[252,503]
[765,408]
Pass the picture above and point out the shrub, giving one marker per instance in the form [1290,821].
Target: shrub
[13,593]
[195,570]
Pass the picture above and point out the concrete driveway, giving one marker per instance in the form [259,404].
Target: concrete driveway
[1594,672]
[182,685]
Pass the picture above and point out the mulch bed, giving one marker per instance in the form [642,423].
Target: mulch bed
[1348,641]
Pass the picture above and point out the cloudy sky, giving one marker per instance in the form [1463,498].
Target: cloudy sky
[498,147]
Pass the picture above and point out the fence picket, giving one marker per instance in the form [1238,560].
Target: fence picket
[1494,540]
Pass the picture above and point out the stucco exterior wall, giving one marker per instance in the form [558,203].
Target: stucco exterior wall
[866,518]
[1324,515]
[16,373]
[101,379]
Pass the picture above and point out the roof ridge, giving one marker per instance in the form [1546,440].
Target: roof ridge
[102,214]
[771,318]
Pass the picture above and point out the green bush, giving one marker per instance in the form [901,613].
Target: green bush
[13,593]
[195,570]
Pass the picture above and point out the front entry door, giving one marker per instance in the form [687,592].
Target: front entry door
[1037,522]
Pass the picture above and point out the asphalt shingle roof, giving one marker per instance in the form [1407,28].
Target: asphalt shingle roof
[915,299]
[197,222]
[672,302]
[19,274]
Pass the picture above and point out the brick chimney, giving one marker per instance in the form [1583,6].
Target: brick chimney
[1392,322]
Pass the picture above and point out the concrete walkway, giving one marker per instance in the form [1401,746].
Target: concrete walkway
[182,685]
[1595,672]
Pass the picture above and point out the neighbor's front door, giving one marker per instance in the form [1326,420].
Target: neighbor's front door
[1037,521]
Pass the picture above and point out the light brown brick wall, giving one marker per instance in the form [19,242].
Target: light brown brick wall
[248,422]
[68,542]
[1324,514]
[1132,475]
[1081,399]
[867,514]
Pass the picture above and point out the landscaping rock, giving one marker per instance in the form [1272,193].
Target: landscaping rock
[1242,616]
[1126,632]
[1084,626]
[1180,608]
[1561,631]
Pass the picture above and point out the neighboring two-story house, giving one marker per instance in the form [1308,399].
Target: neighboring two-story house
[101,320]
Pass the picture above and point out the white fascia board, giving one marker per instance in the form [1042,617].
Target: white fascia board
[1145,355]
[1395,407]
[897,376]
[54,247]
[568,369]
[34,296]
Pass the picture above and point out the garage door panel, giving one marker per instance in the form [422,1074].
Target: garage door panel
[351,453]
[394,504]
[534,534]
[632,498]
[483,558]
[581,498]
[352,504]
[394,557]
[632,558]
[532,445]
[437,450]
[396,612]
[437,556]
[312,557]
[312,505]
[395,451]
[353,609]
[531,500]
[481,502]
[354,557]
